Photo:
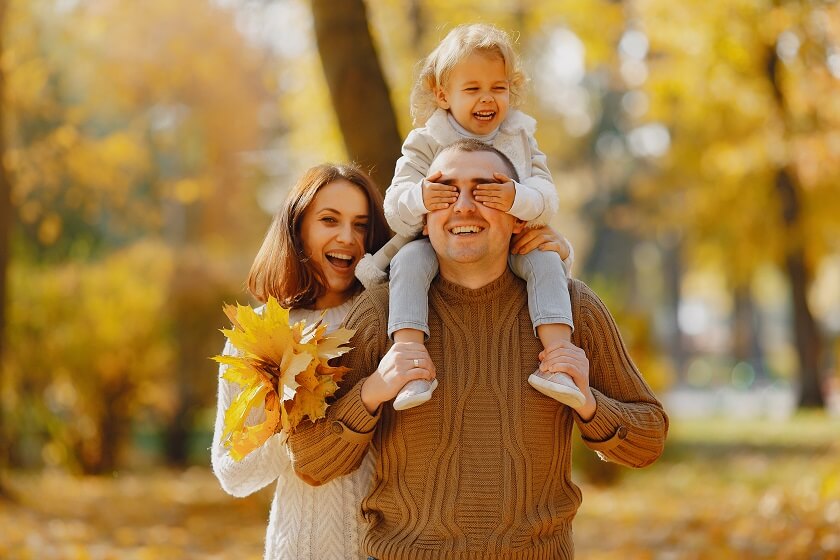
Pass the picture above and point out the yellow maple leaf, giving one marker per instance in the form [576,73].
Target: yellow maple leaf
[249,438]
[310,404]
[282,369]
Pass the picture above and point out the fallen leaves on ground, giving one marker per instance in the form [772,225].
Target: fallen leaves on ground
[725,489]
[160,515]
[722,491]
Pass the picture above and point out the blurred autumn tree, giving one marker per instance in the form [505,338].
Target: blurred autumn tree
[749,91]
[126,122]
[5,228]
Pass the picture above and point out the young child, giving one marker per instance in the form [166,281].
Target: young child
[468,88]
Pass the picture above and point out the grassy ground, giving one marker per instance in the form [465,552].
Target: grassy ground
[724,489]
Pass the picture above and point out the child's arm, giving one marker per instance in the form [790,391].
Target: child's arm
[404,206]
[540,183]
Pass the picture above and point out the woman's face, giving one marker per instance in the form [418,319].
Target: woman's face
[333,231]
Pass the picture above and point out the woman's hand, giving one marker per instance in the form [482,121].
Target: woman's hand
[542,238]
[404,362]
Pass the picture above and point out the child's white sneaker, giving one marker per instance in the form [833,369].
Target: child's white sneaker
[558,386]
[415,393]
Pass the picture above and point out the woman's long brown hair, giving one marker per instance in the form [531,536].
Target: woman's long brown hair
[281,269]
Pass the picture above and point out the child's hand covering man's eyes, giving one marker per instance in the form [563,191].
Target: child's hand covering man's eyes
[437,196]
[498,195]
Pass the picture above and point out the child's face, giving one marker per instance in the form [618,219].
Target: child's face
[477,92]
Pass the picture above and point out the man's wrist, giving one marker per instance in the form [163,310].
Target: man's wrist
[370,402]
[587,411]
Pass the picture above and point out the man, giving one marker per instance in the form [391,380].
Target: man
[483,470]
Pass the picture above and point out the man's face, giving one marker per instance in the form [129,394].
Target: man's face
[469,233]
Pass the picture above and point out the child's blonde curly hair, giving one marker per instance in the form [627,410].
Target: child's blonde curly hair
[455,47]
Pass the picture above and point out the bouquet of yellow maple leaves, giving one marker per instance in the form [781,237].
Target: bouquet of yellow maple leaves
[280,368]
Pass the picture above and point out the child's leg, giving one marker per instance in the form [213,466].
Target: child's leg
[551,313]
[412,270]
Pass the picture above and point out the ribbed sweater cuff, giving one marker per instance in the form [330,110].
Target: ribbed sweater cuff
[606,423]
[351,412]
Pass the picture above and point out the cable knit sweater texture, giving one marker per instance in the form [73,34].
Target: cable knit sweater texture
[305,522]
[482,471]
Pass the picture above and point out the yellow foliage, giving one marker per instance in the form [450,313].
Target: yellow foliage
[90,351]
[710,84]
[101,120]
[281,369]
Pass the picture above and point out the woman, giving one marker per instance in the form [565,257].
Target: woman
[329,220]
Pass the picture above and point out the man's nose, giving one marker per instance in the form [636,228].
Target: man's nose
[465,201]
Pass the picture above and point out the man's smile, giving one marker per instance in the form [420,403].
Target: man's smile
[465,229]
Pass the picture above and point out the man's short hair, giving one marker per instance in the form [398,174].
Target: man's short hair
[472,145]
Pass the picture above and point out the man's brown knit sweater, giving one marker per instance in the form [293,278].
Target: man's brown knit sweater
[483,470]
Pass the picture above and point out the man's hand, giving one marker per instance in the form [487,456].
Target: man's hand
[497,195]
[543,238]
[437,196]
[404,362]
[567,358]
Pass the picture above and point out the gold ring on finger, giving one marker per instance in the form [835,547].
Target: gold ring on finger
[416,362]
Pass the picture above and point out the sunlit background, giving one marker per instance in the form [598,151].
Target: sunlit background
[696,151]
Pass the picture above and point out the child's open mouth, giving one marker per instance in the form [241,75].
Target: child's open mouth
[484,115]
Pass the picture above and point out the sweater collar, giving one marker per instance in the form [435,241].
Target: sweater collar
[455,292]
[486,138]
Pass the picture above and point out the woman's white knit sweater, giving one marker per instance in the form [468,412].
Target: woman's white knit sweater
[306,522]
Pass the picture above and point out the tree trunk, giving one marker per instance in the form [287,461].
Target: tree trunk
[805,331]
[672,269]
[746,340]
[5,234]
[808,345]
[806,336]
[357,86]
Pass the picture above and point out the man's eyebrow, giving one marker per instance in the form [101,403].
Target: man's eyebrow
[475,181]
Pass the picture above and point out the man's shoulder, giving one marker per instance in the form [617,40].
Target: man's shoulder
[370,304]
[377,295]
[580,292]
[588,308]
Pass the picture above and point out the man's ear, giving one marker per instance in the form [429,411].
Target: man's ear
[518,226]
[440,97]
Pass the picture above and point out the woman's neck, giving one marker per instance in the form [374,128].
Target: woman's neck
[331,300]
